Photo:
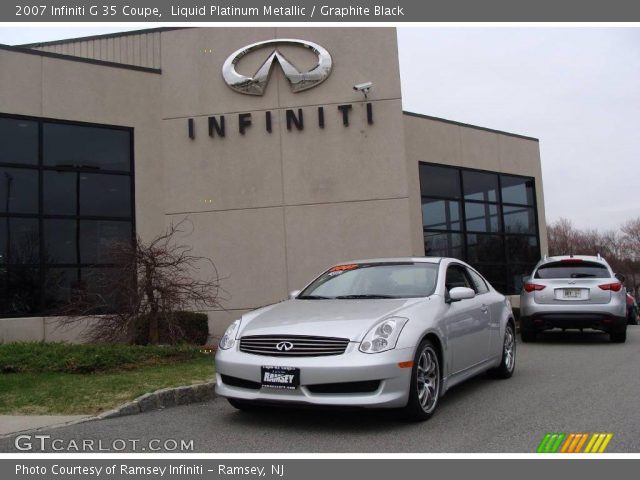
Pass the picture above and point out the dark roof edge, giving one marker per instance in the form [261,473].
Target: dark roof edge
[460,124]
[104,35]
[59,56]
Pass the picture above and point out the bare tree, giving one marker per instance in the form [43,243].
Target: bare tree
[149,284]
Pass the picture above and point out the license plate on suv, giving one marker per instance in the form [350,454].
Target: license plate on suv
[280,377]
[572,293]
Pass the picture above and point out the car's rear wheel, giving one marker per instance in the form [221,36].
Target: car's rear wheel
[426,379]
[508,363]
[619,336]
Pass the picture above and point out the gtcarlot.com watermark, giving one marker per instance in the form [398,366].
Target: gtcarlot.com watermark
[46,443]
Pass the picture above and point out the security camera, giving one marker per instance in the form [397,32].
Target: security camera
[363,87]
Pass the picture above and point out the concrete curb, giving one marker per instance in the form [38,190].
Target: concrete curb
[163,398]
[158,400]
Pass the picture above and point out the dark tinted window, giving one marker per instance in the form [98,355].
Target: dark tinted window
[519,220]
[19,291]
[439,181]
[59,193]
[522,249]
[60,241]
[482,217]
[517,190]
[97,239]
[480,186]
[484,248]
[579,269]
[59,283]
[89,147]
[105,195]
[443,245]
[18,190]
[19,241]
[18,141]
[441,214]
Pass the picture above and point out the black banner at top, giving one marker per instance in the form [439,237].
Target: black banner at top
[396,11]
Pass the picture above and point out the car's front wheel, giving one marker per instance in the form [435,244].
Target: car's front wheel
[426,379]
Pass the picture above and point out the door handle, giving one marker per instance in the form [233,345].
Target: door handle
[484,309]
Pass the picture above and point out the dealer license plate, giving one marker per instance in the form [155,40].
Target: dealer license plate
[280,377]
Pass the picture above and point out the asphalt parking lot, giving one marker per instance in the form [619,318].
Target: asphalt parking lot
[563,383]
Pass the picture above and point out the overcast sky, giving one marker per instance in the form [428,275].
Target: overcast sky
[576,89]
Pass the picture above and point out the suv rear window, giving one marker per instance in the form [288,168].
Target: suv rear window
[572,270]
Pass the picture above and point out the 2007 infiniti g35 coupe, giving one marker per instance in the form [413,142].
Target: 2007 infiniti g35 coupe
[394,333]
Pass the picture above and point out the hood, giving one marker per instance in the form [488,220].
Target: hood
[350,319]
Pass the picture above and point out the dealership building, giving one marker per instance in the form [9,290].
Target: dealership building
[259,138]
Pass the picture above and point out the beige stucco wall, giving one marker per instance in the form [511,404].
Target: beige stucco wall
[274,209]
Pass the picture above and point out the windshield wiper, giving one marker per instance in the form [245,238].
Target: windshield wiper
[349,297]
[313,297]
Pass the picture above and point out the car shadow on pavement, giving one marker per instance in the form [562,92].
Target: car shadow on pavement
[332,419]
[574,337]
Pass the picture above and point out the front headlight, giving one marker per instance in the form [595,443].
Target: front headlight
[383,336]
[228,340]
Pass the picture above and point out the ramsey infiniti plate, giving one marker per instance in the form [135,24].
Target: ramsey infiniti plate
[280,377]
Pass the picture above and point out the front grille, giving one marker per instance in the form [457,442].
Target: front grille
[293,345]
[346,387]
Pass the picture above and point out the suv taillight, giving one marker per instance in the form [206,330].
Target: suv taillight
[614,287]
[533,287]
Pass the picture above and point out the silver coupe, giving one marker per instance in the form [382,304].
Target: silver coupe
[392,333]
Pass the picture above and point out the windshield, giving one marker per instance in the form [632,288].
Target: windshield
[578,269]
[379,280]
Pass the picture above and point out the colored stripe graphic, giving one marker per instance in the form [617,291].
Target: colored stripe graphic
[557,442]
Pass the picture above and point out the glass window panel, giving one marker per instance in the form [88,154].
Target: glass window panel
[59,283]
[482,217]
[19,291]
[82,146]
[59,193]
[60,241]
[18,141]
[519,220]
[484,248]
[97,238]
[480,186]
[522,249]
[18,190]
[441,214]
[495,275]
[439,181]
[19,241]
[517,190]
[105,195]
[443,245]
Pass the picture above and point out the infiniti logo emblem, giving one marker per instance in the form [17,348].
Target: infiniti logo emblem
[299,80]
[284,346]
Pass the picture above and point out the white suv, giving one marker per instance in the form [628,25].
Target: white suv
[573,292]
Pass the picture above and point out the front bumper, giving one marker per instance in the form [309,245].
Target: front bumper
[352,366]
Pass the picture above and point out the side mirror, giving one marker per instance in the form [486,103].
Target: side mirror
[461,293]
[621,277]
[294,294]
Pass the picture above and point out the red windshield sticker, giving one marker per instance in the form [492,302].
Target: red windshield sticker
[342,268]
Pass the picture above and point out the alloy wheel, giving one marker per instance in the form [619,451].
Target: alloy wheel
[428,379]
